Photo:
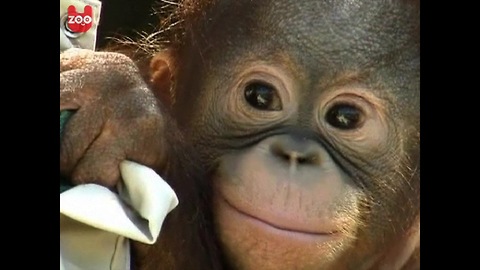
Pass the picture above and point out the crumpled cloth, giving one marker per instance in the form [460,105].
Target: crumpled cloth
[97,223]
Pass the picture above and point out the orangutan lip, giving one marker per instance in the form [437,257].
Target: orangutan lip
[276,226]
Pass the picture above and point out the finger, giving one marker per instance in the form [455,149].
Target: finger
[100,164]
[140,129]
[138,140]
[148,147]
[80,131]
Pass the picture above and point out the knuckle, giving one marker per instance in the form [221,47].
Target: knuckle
[136,108]
[72,58]
[146,124]
[115,58]
[91,60]
[152,121]
[101,73]
[74,53]
[99,165]
[112,62]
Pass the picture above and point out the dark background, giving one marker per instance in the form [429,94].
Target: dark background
[125,18]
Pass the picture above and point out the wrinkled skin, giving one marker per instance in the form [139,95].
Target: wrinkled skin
[303,117]
[108,95]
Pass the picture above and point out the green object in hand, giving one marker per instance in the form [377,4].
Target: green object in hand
[64,117]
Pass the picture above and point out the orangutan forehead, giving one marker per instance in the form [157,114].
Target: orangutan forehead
[316,31]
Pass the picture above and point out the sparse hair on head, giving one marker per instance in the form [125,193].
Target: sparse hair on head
[175,16]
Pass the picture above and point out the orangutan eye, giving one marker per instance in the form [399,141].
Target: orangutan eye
[344,116]
[262,96]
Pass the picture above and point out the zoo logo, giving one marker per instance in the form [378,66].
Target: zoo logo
[79,22]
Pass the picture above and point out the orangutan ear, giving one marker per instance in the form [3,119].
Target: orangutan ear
[161,70]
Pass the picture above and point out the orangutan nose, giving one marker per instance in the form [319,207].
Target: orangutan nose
[296,150]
